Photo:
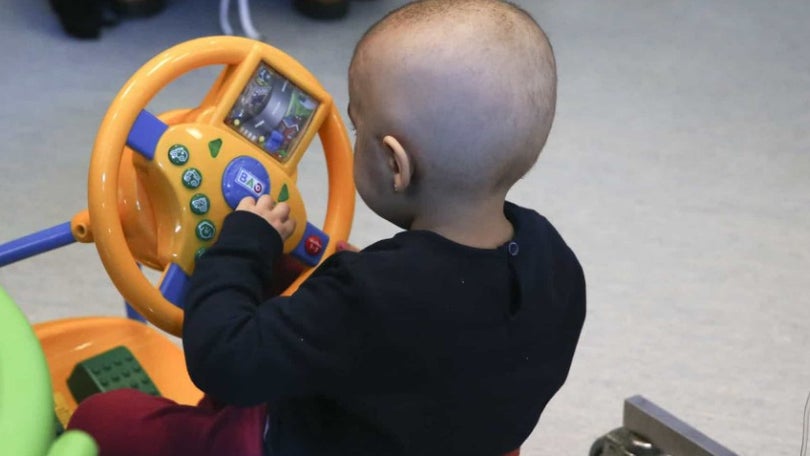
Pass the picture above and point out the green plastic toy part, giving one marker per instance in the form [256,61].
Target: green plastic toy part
[27,427]
[114,369]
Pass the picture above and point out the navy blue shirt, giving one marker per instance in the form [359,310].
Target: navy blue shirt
[414,346]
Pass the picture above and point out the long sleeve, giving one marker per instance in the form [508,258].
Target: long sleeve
[246,351]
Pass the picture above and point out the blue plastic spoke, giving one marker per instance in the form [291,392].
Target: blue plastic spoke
[145,134]
[133,314]
[174,285]
[310,250]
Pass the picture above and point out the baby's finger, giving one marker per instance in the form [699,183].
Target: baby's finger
[287,228]
[246,203]
[265,201]
[345,246]
[282,211]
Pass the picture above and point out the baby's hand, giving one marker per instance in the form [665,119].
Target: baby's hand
[345,246]
[277,215]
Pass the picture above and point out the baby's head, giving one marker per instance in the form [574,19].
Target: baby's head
[452,101]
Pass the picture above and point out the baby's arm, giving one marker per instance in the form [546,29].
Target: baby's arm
[245,351]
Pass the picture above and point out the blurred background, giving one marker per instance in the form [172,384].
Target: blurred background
[678,170]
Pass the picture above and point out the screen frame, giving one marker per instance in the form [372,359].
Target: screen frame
[234,79]
[277,81]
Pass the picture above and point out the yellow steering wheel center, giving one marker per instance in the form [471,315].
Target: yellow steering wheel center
[197,175]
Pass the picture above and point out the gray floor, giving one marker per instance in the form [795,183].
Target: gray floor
[677,169]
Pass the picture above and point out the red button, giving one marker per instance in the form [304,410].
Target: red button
[313,245]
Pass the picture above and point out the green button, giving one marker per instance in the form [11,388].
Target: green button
[199,253]
[206,230]
[214,146]
[284,195]
[199,204]
[178,154]
[192,178]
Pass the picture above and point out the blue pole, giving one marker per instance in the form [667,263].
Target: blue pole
[36,243]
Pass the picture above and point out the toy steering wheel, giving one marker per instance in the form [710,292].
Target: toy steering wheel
[162,201]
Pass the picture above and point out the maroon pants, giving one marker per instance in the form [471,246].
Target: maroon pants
[131,423]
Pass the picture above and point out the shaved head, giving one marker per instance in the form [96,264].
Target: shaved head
[468,86]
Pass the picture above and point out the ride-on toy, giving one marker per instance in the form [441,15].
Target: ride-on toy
[159,189]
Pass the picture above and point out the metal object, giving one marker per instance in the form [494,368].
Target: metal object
[622,442]
[650,430]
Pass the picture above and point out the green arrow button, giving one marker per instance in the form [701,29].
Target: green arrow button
[214,147]
[284,195]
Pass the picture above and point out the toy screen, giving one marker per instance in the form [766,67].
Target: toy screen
[272,112]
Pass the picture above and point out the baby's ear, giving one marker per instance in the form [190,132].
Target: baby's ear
[399,162]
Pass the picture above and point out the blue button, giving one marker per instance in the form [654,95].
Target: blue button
[310,250]
[244,176]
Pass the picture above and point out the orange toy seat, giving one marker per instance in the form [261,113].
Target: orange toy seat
[70,341]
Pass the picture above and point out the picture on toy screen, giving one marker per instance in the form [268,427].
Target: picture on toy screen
[272,112]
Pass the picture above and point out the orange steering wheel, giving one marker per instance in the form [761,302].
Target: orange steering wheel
[161,201]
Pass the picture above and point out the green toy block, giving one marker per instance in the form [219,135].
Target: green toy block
[114,369]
